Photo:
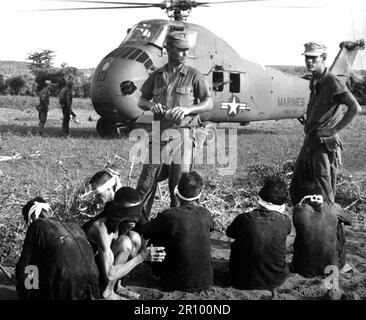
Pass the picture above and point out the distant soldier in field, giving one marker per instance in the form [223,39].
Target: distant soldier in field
[59,255]
[320,154]
[42,107]
[65,99]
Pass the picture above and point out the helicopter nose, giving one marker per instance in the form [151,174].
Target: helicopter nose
[115,95]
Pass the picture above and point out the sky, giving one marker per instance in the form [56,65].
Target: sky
[268,32]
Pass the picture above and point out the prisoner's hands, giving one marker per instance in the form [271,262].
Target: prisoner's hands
[158,108]
[153,254]
[176,114]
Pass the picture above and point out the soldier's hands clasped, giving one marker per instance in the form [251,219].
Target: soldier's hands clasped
[176,114]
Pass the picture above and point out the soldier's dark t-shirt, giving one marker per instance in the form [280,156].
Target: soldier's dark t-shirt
[319,240]
[185,234]
[44,98]
[64,258]
[65,97]
[257,258]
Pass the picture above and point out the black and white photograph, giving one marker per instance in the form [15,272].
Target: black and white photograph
[195,152]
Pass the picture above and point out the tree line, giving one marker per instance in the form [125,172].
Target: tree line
[41,68]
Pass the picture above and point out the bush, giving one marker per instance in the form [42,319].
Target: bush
[2,84]
[357,85]
[16,84]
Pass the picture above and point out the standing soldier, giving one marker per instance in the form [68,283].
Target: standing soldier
[65,99]
[176,94]
[44,101]
[320,153]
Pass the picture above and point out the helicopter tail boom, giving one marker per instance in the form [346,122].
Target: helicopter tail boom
[342,65]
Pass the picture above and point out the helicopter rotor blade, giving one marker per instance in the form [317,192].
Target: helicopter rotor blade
[112,2]
[198,3]
[229,1]
[94,8]
[209,3]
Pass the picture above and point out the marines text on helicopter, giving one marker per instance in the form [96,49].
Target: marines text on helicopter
[242,91]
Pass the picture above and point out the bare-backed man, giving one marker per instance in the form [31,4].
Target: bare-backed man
[117,246]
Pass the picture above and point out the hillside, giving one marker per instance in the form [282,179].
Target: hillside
[13,68]
[299,71]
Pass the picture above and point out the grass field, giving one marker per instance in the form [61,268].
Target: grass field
[57,167]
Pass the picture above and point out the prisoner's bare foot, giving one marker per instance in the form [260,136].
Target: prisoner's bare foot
[126,292]
[110,295]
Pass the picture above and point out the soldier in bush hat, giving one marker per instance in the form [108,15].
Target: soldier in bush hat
[320,154]
[176,94]
[42,107]
[314,49]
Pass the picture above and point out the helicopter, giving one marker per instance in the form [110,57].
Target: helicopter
[242,91]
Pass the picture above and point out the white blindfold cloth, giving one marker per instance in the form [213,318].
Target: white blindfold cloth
[113,181]
[272,207]
[177,193]
[37,209]
[317,198]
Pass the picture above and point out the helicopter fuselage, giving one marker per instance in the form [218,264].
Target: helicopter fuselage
[242,91]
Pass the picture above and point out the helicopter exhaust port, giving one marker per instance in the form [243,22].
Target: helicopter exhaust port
[127,88]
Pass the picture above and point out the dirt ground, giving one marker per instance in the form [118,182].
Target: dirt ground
[295,287]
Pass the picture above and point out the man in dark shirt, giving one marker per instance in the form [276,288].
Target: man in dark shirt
[62,255]
[319,241]
[185,233]
[65,99]
[42,107]
[257,259]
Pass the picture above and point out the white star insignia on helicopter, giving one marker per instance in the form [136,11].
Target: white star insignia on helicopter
[234,107]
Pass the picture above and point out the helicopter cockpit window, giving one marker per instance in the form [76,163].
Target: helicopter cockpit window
[147,32]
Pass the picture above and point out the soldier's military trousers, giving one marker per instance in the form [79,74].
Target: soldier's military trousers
[153,173]
[320,167]
[66,119]
[42,115]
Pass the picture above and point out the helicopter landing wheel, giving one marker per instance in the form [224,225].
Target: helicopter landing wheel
[106,128]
